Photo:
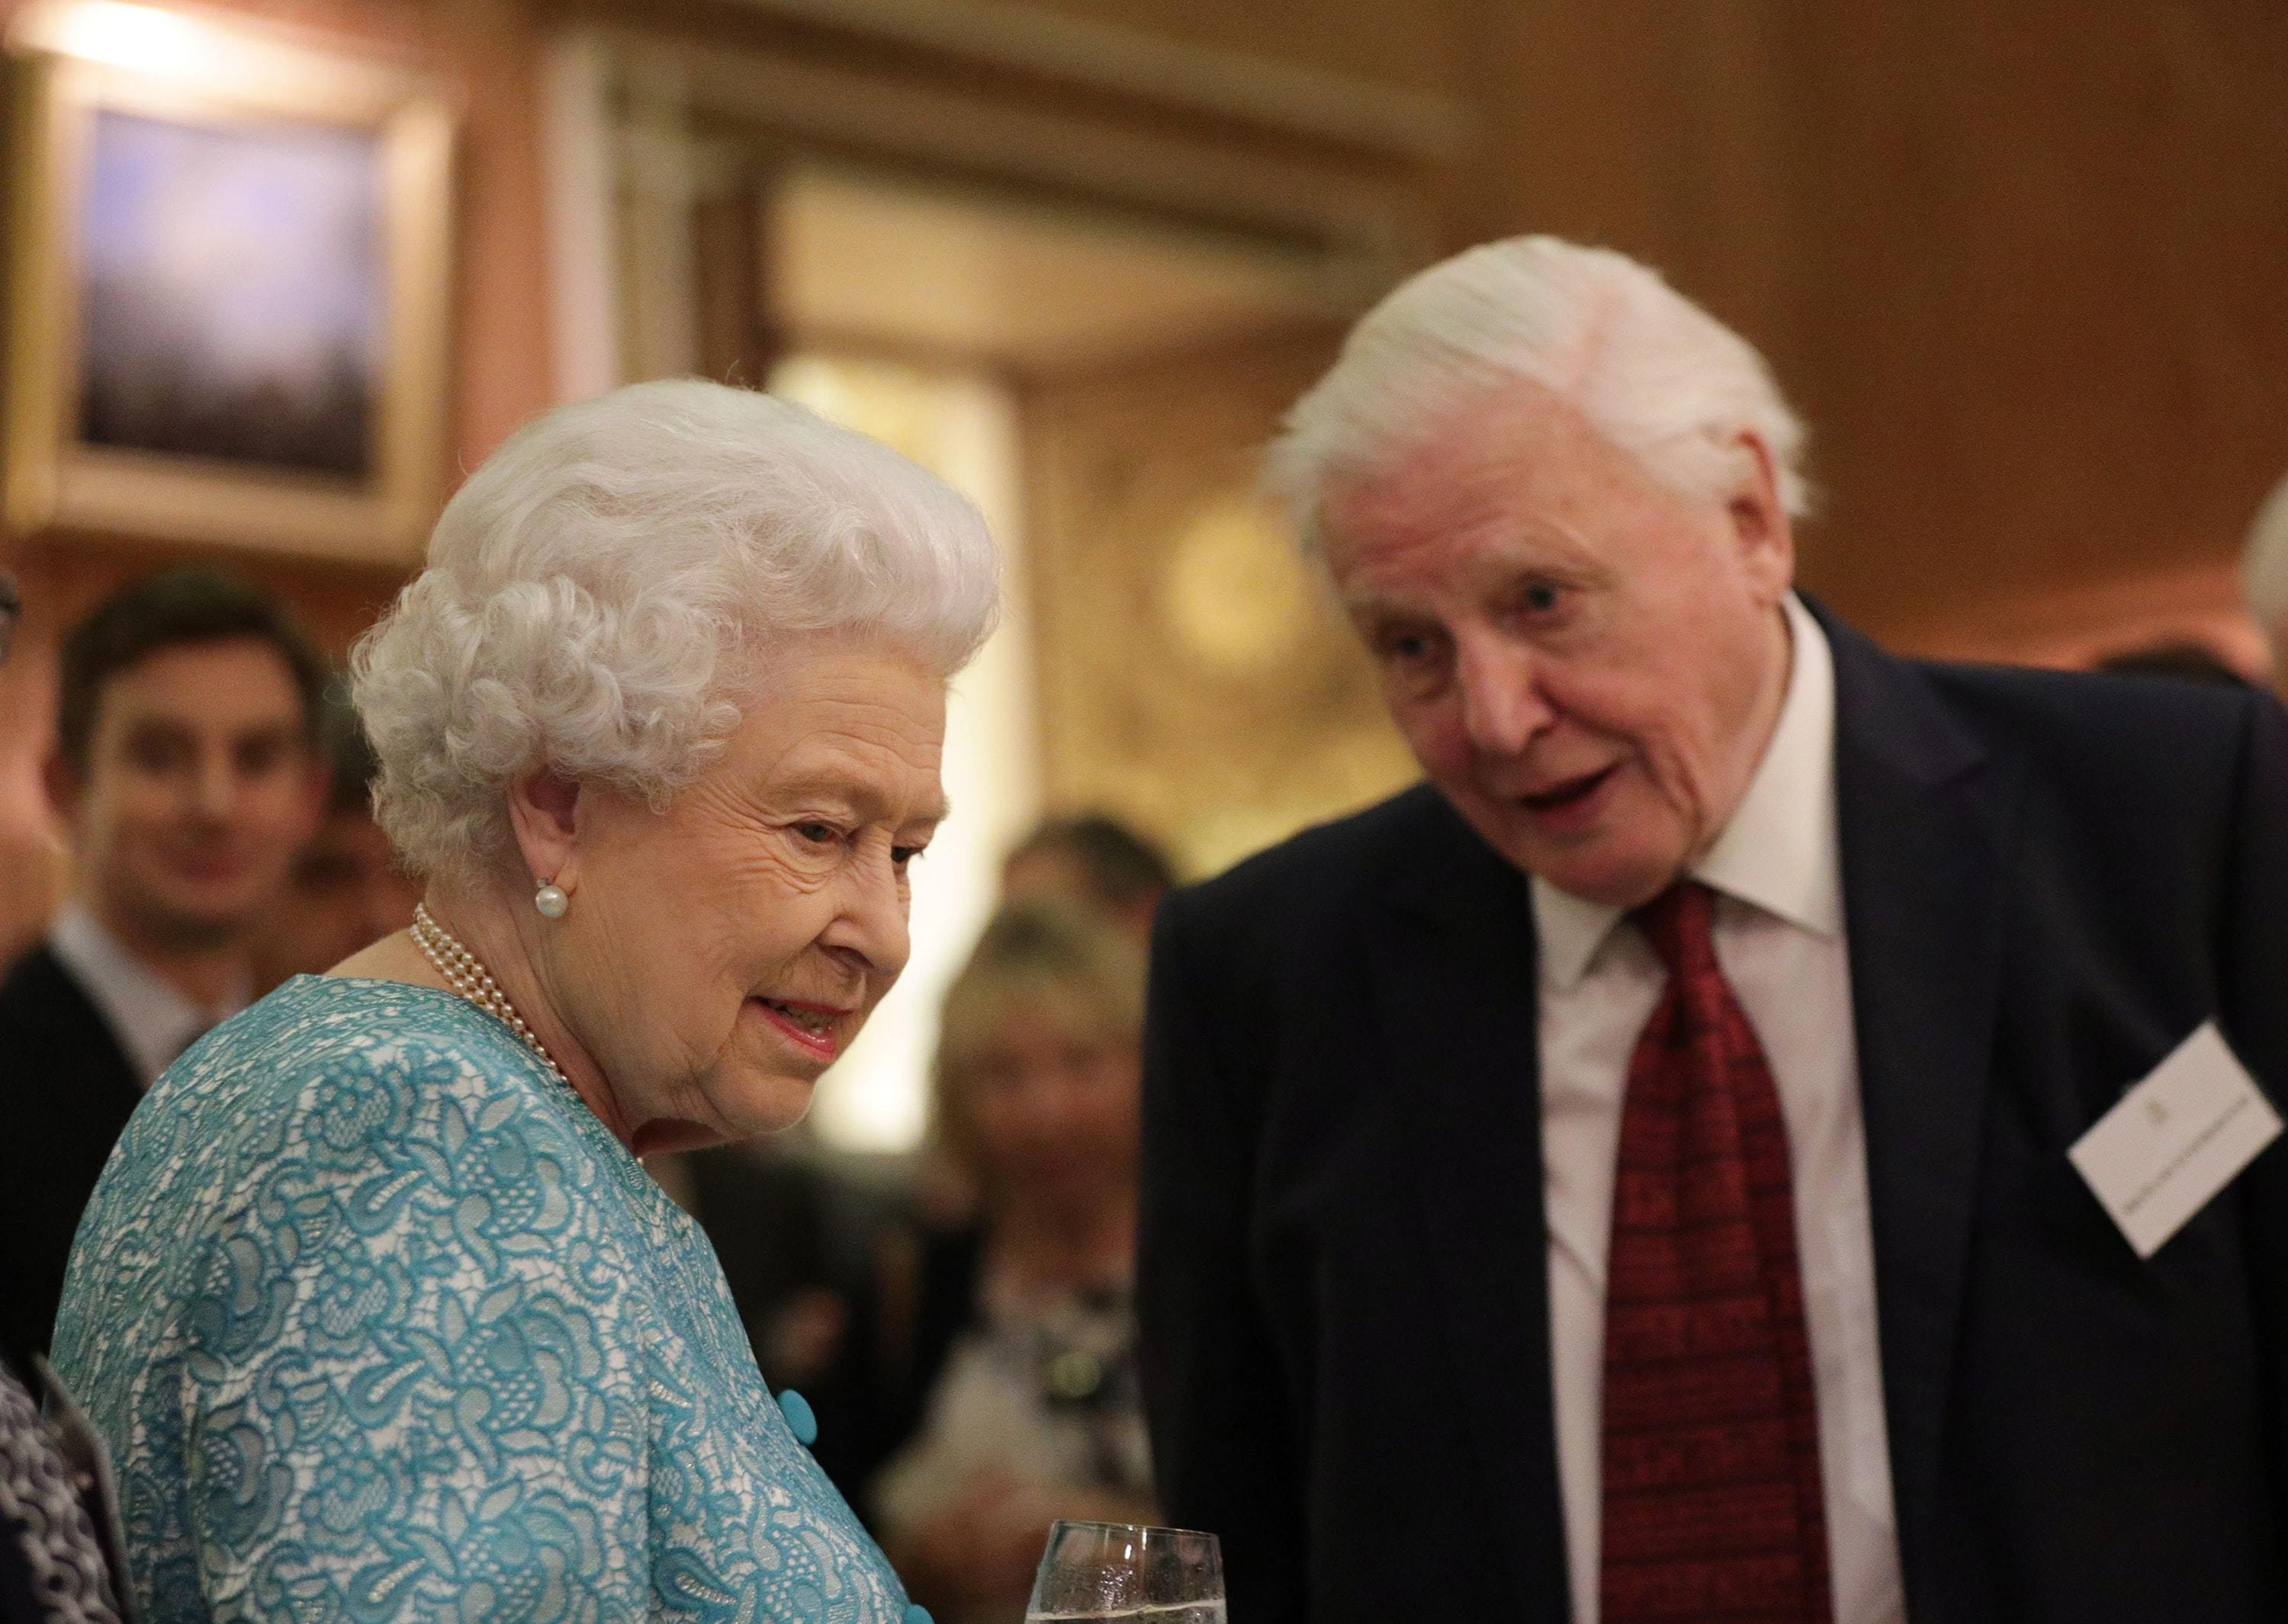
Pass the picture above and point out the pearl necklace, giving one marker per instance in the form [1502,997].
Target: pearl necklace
[466,975]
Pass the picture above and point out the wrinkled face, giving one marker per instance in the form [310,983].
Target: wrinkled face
[1587,664]
[721,954]
[346,892]
[1054,1112]
[198,791]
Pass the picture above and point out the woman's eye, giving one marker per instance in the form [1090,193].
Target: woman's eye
[1541,598]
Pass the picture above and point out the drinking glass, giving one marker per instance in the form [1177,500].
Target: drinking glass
[1101,1572]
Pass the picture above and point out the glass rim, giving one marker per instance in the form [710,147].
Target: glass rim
[1144,1528]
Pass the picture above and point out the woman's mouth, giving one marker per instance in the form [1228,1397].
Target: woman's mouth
[812,1027]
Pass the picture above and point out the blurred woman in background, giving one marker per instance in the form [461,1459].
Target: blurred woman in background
[1024,1336]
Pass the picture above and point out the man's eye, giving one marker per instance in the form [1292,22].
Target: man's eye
[1408,648]
[818,834]
[1541,596]
[902,855]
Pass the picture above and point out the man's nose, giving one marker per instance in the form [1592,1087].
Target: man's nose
[1502,705]
[214,786]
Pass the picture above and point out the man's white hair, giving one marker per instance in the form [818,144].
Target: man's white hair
[602,597]
[1653,372]
[2264,569]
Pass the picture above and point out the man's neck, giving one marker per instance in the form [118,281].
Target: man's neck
[211,974]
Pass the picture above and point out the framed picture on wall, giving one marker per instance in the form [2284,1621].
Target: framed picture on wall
[227,262]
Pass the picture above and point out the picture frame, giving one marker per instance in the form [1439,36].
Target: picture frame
[228,269]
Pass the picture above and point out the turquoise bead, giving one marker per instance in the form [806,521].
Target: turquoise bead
[799,1420]
[917,1615]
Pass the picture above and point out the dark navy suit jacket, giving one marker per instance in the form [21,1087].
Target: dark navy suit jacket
[67,1090]
[2050,880]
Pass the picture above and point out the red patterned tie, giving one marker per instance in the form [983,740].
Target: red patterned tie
[1712,1504]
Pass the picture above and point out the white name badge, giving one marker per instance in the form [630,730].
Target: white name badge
[2176,1139]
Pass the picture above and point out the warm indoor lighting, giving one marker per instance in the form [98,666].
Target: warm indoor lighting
[139,38]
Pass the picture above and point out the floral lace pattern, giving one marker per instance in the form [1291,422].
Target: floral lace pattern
[382,1323]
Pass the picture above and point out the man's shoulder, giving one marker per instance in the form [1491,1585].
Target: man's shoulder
[48,1021]
[2091,728]
[1330,861]
[2084,732]
[37,989]
[1299,908]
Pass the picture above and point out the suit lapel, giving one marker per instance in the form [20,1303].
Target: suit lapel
[1456,1005]
[110,1087]
[1925,814]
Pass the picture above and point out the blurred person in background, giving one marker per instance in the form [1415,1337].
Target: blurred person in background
[186,770]
[376,1304]
[2264,576]
[1095,857]
[54,1568]
[1627,1177]
[31,858]
[1022,1350]
[345,891]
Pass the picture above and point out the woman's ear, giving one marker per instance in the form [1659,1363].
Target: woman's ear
[543,811]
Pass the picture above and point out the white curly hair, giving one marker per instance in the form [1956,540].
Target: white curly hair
[603,593]
[1653,372]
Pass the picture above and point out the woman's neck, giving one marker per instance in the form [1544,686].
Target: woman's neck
[1043,1248]
[485,923]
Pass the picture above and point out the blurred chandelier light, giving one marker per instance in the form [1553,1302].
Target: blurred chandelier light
[139,38]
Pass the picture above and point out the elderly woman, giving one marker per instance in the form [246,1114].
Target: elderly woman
[1023,1367]
[380,1312]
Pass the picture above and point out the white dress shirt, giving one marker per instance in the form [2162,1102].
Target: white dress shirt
[152,1018]
[1779,940]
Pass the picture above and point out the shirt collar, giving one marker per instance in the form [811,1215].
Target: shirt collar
[1779,853]
[149,1015]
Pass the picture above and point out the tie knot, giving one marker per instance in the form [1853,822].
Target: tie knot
[1679,924]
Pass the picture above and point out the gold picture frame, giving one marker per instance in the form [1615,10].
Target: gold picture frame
[227,265]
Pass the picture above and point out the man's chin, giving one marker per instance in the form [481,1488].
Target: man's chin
[1610,879]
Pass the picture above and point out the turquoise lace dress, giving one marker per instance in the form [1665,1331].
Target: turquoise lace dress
[382,1323]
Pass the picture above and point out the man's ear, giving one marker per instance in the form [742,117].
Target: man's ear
[543,811]
[1759,520]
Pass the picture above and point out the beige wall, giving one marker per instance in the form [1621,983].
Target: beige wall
[2022,267]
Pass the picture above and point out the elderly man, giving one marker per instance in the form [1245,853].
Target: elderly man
[2264,573]
[1642,1174]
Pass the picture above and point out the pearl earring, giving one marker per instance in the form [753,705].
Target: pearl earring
[550,900]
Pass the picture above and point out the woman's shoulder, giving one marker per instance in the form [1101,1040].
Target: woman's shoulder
[337,1130]
[351,1061]
[376,1098]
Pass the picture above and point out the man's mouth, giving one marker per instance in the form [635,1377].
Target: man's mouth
[1567,793]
